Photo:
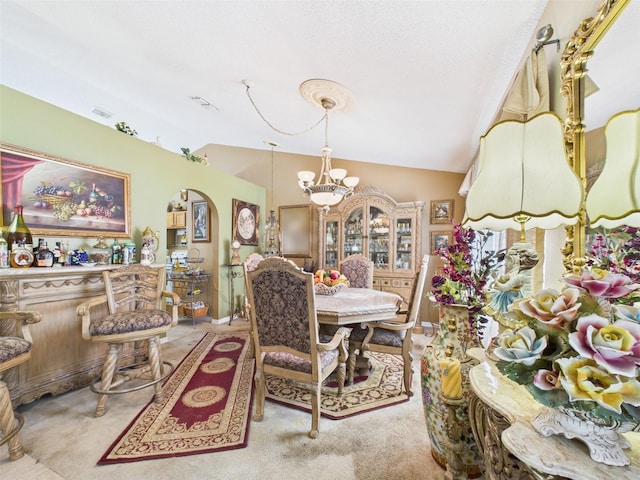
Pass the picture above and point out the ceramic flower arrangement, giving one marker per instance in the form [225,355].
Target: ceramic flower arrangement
[579,349]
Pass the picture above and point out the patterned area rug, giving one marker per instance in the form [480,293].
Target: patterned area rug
[380,387]
[207,402]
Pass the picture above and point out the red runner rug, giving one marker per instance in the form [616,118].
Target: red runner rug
[380,387]
[206,408]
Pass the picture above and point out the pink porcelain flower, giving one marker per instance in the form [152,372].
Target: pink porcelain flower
[601,283]
[615,347]
[584,380]
[546,379]
[550,307]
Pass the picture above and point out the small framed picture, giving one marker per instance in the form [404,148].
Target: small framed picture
[201,231]
[441,211]
[440,240]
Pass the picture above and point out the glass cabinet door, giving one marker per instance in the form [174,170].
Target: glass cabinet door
[353,232]
[379,238]
[331,244]
[404,244]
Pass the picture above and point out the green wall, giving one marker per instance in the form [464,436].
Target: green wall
[156,174]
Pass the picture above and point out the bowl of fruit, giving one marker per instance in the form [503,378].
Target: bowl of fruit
[329,282]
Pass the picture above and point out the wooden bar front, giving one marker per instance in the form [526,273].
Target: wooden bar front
[61,359]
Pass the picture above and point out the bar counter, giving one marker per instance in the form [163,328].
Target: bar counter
[61,359]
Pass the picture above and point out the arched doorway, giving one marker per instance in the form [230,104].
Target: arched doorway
[192,232]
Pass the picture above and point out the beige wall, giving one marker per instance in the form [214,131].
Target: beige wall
[402,184]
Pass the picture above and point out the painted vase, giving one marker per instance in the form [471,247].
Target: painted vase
[452,339]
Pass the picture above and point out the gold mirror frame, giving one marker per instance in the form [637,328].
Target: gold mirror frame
[573,66]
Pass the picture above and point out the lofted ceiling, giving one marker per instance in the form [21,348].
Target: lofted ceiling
[427,76]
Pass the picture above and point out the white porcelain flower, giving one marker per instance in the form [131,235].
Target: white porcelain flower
[520,346]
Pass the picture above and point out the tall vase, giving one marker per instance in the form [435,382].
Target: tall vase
[452,339]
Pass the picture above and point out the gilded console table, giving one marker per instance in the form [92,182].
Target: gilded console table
[501,412]
[61,359]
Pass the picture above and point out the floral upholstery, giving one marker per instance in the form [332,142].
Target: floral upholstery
[126,322]
[390,338]
[252,261]
[284,329]
[11,347]
[293,362]
[359,271]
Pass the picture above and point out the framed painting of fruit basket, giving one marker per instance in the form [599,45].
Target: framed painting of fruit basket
[62,197]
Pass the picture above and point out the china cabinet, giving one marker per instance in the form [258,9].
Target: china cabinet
[373,224]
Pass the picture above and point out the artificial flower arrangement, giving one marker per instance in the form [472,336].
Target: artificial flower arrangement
[466,276]
[579,349]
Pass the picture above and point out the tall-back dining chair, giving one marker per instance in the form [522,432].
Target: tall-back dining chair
[15,348]
[285,333]
[359,271]
[134,295]
[392,336]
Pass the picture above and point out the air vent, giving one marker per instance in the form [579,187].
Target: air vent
[101,112]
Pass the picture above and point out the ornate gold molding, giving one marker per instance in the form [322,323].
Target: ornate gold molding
[573,65]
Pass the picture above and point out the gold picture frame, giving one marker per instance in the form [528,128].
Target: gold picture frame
[295,225]
[61,197]
[441,211]
[440,239]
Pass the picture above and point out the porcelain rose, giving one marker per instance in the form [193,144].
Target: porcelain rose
[521,346]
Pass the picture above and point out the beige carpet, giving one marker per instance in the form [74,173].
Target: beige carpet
[64,440]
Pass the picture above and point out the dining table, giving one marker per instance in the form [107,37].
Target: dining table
[357,305]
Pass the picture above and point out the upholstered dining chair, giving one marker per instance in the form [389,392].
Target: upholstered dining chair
[392,336]
[15,348]
[359,271]
[133,296]
[285,333]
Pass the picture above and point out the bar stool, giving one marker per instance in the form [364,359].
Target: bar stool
[134,295]
[15,348]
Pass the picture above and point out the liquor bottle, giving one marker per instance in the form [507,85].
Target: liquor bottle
[44,256]
[4,253]
[18,230]
[116,252]
[56,253]
[21,256]
[37,246]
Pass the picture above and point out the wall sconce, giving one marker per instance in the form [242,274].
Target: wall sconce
[184,195]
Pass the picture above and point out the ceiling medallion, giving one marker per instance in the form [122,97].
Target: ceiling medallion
[316,90]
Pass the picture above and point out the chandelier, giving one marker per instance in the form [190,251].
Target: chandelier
[332,184]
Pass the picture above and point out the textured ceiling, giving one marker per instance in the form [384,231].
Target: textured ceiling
[427,76]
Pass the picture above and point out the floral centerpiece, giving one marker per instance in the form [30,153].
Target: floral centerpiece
[579,349]
[466,275]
